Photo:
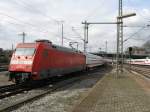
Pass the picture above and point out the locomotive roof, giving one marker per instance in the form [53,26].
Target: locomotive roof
[89,55]
[26,45]
[61,48]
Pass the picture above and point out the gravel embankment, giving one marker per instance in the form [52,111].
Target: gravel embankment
[64,99]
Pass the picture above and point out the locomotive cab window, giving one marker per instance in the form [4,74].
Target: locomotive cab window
[25,51]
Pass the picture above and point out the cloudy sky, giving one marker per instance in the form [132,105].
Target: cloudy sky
[41,19]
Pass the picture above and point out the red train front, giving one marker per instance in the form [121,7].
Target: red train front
[42,59]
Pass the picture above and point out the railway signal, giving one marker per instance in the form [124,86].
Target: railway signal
[130,53]
[130,50]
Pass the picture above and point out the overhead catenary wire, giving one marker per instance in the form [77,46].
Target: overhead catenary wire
[28,7]
[94,10]
[21,22]
[26,24]
[137,32]
[71,40]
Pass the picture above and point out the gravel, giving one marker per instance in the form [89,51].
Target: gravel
[63,99]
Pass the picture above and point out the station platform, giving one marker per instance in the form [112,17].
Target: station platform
[116,94]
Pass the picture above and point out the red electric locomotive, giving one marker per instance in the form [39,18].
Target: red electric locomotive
[42,59]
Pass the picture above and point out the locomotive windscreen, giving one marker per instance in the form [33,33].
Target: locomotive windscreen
[25,51]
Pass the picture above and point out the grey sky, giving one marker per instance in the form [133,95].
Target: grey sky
[40,19]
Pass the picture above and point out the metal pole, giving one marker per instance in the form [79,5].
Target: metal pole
[62,43]
[130,62]
[85,33]
[117,55]
[106,47]
[120,39]
[86,28]
[121,35]
[23,37]
[12,47]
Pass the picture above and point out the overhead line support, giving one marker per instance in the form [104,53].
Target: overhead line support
[86,27]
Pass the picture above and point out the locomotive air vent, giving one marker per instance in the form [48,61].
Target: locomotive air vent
[43,40]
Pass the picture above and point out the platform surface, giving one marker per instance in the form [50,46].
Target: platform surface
[111,94]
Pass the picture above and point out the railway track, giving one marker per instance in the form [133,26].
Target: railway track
[6,86]
[143,70]
[10,90]
[45,90]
